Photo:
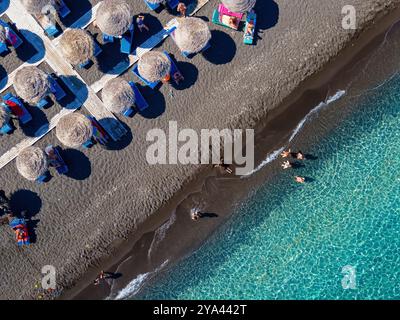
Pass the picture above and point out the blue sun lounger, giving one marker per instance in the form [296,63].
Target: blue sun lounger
[127,40]
[107,38]
[16,107]
[152,85]
[42,178]
[97,51]
[173,3]
[56,89]
[3,47]
[58,162]
[152,6]
[6,129]
[42,103]
[99,134]
[140,103]
[174,68]
[63,10]
[249,33]
[189,55]
[52,31]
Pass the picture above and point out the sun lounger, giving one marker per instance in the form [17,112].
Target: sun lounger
[173,3]
[56,89]
[52,31]
[249,32]
[224,10]
[84,65]
[99,134]
[16,107]
[42,103]
[55,159]
[127,40]
[12,38]
[223,20]
[107,38]
[141,104]
[63,10]
[152,6]
[97,49]
[174,68]
[3,47]
[42,178]
[6,129]
[152,85]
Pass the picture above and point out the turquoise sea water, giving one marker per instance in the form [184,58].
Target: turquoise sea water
[292,241]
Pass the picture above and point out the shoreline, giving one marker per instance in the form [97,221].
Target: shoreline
[280,121]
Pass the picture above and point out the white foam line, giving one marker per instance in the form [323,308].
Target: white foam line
[274,155]
[136,284]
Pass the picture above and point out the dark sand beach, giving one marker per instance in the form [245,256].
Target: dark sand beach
[110,204]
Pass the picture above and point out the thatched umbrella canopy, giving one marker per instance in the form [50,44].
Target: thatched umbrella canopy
[114,17]
[4,117]
[118,95]
[32,163]
[74,130]
[3,34]
[36,6]
[192,34]
[154,66]
[31,84]
[241,6]
[77,46]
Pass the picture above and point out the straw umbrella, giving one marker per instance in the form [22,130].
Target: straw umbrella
[114,17]
[192,35]
[241,6]
[74,130]
[4,117]
[31,84]
[32,163]
[36,6]
[3,34]
[118,95]
[154,66]
[77,46]
[155,1]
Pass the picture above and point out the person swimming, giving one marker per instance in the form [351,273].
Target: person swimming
[299,179]
[286,165]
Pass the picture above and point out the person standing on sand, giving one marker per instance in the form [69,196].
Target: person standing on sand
[182,9]
[140,23]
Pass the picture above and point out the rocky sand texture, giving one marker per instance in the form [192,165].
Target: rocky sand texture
[79,218]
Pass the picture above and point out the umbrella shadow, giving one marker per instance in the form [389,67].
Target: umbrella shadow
[190,74]
[74,101]
[121,143]
[32,49]
[77,9]
[79,166]
[29,201]
[270,14]
[4,4]
[111,60]
[219,40]
[39,123]
[156,102]
[3,77]
[152,23]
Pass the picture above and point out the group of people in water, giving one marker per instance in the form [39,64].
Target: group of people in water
[299,156]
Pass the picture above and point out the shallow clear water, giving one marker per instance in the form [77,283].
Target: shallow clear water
[291,241]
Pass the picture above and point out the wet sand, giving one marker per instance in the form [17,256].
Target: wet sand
[111,202]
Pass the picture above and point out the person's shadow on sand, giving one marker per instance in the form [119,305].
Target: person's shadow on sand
[29,201]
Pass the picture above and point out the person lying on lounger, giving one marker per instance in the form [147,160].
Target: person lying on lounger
[140,23]
[178,77]
[250,29]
